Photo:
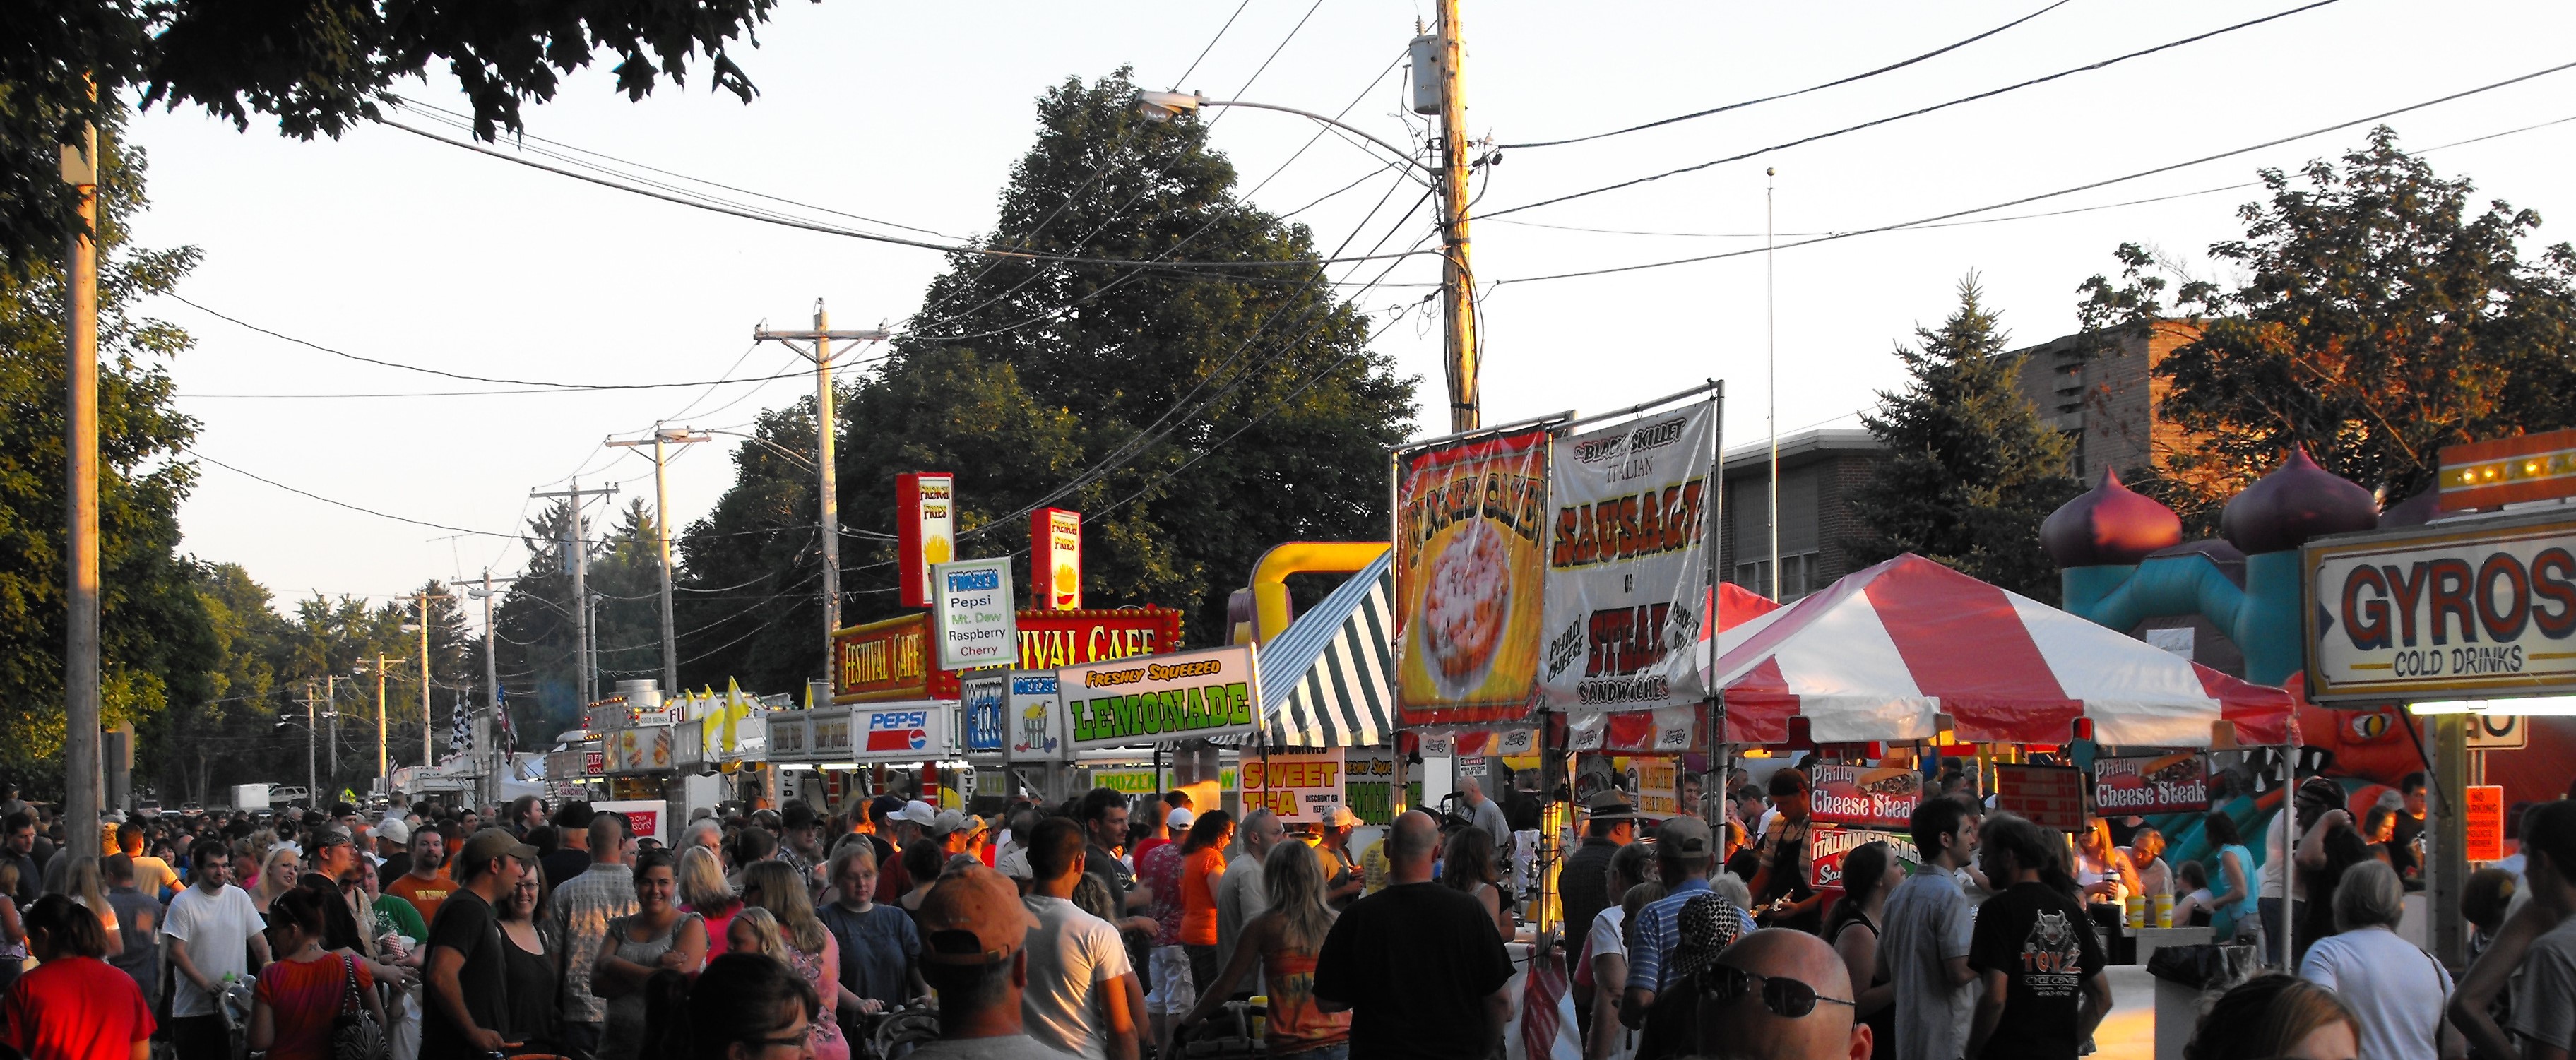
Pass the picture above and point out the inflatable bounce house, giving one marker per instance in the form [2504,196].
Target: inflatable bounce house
[2122,562]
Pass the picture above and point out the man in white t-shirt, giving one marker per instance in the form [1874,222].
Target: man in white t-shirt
[212,930]
[1929,927]
[1082,996]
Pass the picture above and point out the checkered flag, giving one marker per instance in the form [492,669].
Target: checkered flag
[461,735]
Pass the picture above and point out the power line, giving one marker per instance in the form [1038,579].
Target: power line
[542,385]
[1928,221]
[835,230]
[1943,50]
[1919,111]
[1211,44]
[345,504]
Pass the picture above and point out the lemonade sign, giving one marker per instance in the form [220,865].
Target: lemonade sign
[925,529]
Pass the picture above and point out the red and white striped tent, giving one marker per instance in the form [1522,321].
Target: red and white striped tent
[1882,653]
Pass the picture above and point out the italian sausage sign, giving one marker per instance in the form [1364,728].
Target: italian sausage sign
[1627,572]
[2444,612]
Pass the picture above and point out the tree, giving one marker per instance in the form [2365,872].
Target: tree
[2383,316]
[1196,416]
[536,639]
[155,640]
[318,66]
[1968,468]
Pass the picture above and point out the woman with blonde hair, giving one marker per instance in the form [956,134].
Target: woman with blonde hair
[754,930]
[1285,939]
[85,885]
[703,891]
[778,889]
[279,869]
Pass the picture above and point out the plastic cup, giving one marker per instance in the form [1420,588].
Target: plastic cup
[2164,910]
[2137,910]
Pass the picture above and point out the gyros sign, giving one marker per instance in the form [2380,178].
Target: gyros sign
[2444,610]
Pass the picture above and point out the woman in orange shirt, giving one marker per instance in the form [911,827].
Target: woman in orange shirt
[1202,866]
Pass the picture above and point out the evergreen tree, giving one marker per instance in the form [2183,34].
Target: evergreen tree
[1967,468]
[535,636]
[1195,416]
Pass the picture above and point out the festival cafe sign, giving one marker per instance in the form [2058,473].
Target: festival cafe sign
[891,660]
[1627,583]
[2174,783]
[1864,795]
[1828,846]
[1035,717]
[2444,611]
[1055,560]
[1469,518]
[983,709]
[1184,695]
[925,530]
[971,599]
[1298,788]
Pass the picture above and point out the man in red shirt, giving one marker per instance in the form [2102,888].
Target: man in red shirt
[74,1006]
[426,886]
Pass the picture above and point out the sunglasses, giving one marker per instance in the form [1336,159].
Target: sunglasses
[1784,997]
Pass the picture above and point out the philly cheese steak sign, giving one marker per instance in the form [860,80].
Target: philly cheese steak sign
[1161,697]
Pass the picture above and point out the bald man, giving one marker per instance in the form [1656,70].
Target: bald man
[1418,965]
[1766,1008]
[1485,813]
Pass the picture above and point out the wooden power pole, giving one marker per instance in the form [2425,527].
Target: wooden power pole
[83,766]
[827,489]
[1458,282]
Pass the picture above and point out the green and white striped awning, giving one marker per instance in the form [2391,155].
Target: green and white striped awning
[1325,680]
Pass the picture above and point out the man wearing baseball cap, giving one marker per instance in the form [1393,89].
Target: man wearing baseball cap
[1610,824]
[467,975]
[974,953]
[1683,849]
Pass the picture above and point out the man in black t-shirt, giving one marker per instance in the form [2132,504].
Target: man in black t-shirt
[1104,823]
[1418,965]
[2042,990]
[466,988]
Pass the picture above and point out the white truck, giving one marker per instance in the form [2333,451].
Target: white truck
[250,796]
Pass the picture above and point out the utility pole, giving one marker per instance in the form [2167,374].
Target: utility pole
[663,436]
[1771,375]
[428,731]
[827,489]
[312,733]
[1458,282]
[491,662]
[83,768]
[331,698]
[381,772]
[577,557]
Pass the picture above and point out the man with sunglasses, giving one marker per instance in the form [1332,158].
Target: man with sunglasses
[1783,995]
[2033,946]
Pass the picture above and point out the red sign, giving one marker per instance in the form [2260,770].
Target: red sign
[925,530]
[1827,846]
[1055,560]
[889,661]
[1857,794]
[2052,796]
[1049,639]
[2533,467]
[2174,783]
[2484,817]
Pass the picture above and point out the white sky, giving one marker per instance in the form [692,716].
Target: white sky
[388,245]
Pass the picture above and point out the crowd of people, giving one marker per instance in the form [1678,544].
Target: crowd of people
[1112,926]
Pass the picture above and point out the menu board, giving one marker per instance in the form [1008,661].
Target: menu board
[2052,796]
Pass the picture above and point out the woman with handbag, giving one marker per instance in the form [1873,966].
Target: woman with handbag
[312,1004]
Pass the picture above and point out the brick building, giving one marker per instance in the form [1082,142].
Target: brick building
[1819,469]
[2101,393]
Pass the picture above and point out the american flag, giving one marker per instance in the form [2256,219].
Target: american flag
[501,717]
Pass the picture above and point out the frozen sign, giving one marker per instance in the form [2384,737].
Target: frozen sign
[2174,783]
[1856,794]
[977,625]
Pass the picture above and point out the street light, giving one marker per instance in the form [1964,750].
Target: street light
[1161,107]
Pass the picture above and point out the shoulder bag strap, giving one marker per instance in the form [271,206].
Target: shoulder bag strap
[349,991]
